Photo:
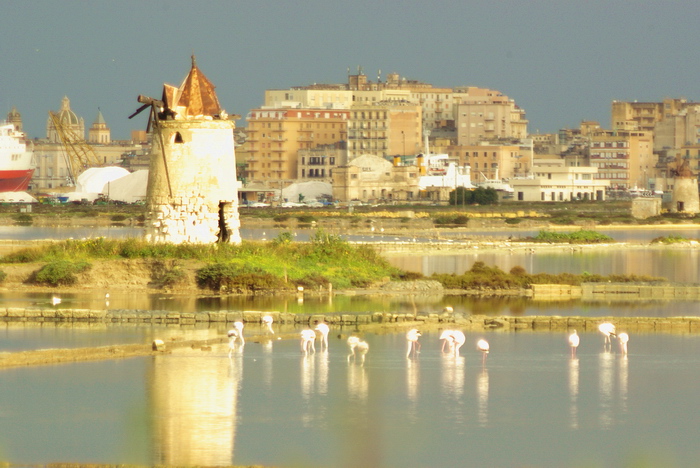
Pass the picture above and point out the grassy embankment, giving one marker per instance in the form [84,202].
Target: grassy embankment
[283,265]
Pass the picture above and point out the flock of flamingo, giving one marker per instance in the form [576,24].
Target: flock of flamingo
[608,331]
[452,339]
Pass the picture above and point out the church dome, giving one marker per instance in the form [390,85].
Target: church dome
[66,115]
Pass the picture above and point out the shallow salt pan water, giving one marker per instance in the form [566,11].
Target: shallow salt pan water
[530,404]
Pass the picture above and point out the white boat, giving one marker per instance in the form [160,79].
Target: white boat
[16,162]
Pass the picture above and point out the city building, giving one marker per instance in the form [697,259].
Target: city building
[624,158]
[491,160]
[370,178]
[485,115]
[274,137]
[385,129]
[318,163]
[554,181]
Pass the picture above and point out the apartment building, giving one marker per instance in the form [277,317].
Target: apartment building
[274,137]
[318,163]
[484,114]
[384,129]
[625,158]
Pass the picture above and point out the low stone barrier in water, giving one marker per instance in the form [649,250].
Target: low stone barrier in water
[381,319]
[615,292]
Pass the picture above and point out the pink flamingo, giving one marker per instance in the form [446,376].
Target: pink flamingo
[483,346]
[323,329]
[267,321]
[574,341]
[623,338]
[307,341]
[413,344]
[608,330]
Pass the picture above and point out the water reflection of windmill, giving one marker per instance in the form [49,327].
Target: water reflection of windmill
[194,409]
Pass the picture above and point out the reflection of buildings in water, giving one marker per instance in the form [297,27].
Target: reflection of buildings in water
[267,362]
[605,388]
[193,401]
[307,375]
[482,394]
[452,375]
[623,379]
[573,392]
[322,387]
[357,382]
[412,377]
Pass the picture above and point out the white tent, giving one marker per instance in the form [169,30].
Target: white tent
[95,179]
[310,190]
[16,197]
[130,188]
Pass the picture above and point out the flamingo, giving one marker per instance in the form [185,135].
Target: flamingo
[55,300]
[323,329]
[448,309]
[574,341]
[457,341]
[307,341]
[623,338]
[445,337]
[483,346]
[267,321]
[362,348]
[236,333]
[607,329]
[413,344]
[352,342]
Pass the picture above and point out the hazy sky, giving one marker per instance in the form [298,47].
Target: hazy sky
[562,61]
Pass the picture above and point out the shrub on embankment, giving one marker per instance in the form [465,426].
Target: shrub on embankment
[251,266]
[481,276]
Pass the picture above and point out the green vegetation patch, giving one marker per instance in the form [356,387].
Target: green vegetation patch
[582,236]
[59,273]
[672,239]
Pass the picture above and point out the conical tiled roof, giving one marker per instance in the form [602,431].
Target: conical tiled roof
[196,95]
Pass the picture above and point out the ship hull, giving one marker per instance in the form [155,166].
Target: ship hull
[15,181]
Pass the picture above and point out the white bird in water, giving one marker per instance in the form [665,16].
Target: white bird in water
[55,300]
[607,329]
[574,341]
[235,334]
[307,341]
[267,321]
[483,346]
[445,338]
[413,344]
[323,329]
[357,346]
[623,338]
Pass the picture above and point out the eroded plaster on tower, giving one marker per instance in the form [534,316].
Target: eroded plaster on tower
[685,197]
[192,192]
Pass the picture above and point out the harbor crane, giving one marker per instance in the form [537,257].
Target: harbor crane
[79,154]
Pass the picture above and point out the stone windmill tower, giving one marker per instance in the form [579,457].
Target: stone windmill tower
[192,193]
[685,197]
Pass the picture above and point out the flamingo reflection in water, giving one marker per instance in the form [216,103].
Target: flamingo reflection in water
[323,329]
[574,341]
[413,344]
[307,341]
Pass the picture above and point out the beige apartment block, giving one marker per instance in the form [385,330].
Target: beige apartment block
[484,114]
[274,137]
[678,130]
[644,115]
[384,129]
[624,158]
[369,178]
